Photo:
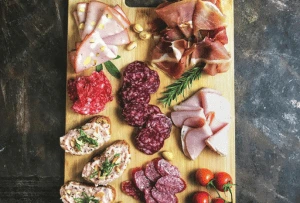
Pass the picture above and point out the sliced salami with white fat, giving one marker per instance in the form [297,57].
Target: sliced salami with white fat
[91,52]
[170,184]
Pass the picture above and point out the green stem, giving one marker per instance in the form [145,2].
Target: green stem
[231,195]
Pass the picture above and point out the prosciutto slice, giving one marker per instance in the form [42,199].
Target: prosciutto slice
[207,16]
[92,51]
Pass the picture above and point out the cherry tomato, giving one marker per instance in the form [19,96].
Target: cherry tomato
[218,200]
[221,181]
[204,176]
[201,197]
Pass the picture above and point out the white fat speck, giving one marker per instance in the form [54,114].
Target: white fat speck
[291,118]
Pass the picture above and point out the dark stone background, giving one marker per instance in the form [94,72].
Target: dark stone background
[32,99]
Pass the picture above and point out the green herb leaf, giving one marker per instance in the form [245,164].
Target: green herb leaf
[99,67]
[78,146]
[107,166]
[112,69]
[178,87]
[94,174]
[117,57]
[84,139]
[86,199]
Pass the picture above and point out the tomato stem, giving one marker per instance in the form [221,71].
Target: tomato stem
[231,196]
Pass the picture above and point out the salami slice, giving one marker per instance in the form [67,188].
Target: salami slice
[170,184]
[164,168]
[151,172]
[72,92]
[162,197]
[140,180]
[135,114]
[148,196]
[160,123]
[133,95]
[152,109]
[128,188]
[146,142]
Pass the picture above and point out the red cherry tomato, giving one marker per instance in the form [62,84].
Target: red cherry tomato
[201,197]
[204,176]
[221,181]
[218,200]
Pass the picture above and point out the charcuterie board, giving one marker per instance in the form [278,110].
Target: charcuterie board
[120,130]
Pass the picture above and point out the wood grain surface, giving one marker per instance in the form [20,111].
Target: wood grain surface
[120,130]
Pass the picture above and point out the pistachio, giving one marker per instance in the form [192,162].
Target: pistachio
[167,155]
[117,169]
[131,46]
[145,35]
[137,28]
[68,192]
[81,26]
[72,143]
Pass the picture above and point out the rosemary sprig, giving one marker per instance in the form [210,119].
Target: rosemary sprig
[178,87]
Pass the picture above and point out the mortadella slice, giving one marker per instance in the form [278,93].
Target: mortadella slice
[93,13]
[118,39]
[195,140]
[119,9]
[81,11]
[219,141]
[91,52]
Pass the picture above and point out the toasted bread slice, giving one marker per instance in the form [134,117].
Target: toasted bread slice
[87,138]
[109,165]
[73,192]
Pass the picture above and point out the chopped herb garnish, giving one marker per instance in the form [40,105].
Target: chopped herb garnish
[108,166]
[117,57]
[83,138]
[86,199]
[94,174]
[178,87]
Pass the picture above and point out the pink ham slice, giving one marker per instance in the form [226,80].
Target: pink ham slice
[195,140]
[118,39]
[191,103]
[216,109]
[207,16]
[119,9]
[91,52]
[93,13]
[219,141]
[178,117]
[195,122]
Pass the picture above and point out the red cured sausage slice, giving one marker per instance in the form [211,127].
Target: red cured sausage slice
[135,114]
[147,141]
[170,184]
[160,123]
[133,95]
[151,172]
[140,180]
[148,196]
[152,109]
[128,188]
[163,197]
[164,168]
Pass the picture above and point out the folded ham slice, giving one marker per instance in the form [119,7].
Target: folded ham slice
[118,39]
[92,51]
[81,11]
[178,117]
[94,12]
[219,141]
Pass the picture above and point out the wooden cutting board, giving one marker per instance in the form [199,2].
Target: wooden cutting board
[120,130]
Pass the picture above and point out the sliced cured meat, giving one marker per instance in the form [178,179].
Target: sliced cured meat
[164,168]
[178,117]
[148,141]
[81,11]
[195,122]
[191,103]
[119,9]
[207,16]
[162,197]
[91,93]
[170,184]
[211,52]
[118,39]
[176,13]
[151,172]
[148,196]
[94,11]
[123,20]
[138,74]
[152,109]
[219,141]
[92,51]
[195,140]
[171,34]
[217,107]
[218,34]
[140,180]
[160,123]
[133,95]
[135,114]
[128,188]
[184,131]
[72,58]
